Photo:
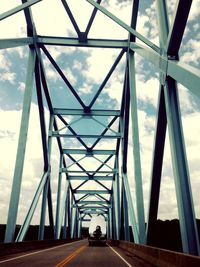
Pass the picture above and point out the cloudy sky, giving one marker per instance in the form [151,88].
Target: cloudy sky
[86,69]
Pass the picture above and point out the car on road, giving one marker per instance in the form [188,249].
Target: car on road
[97,238]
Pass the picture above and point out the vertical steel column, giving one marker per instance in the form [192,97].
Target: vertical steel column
[47,185]
[69,209]
[110,223]
[79,227]
[66,216]
[160,133]
[131,208]
[113,219]
[76,224]
[62,210]
[58,196]
[188,226]
[135,131]
[116,192]
[156,172]
[71,213]
[73,222]
[19,164]
[136,150]
[126,217]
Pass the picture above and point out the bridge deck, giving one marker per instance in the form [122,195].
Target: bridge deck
[74,254]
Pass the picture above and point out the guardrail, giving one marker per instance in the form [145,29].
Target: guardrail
[157,257]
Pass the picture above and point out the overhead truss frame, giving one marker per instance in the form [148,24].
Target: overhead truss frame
[77,205]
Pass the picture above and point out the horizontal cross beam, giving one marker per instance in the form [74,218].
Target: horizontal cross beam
[93,212]
[91,192]
[102,172]
[92,202]
[92,207]
[81,112]
[92,178]
[57,134]
[63,41]
[15,42]
[89,152]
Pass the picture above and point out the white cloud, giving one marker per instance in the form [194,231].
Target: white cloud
[5,63]
[99,62]
[194,12]
[21,86]
[70,76]
[148,91]
[85,89]
[77,65]
[191,52]
[8,76]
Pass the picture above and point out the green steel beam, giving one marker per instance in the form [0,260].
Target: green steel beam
[157,163]
[15,42]
[146,53]
[91,192]
[178,23]
[106,79]
[131,208]
[110,224]
[61,211]
[17,179]
[91,178]
[92,207]
[62,75]
[72,131]
[125,212]
[184,74]
[58,198]
[89,152]
[71,17]
[27,221]
[160,133]
[93,202]
[103,132]
[81,112]
[47,188]
[91,20]
[124,25]
[186,212]
[57,134]
[116,194]
[31,31]
[94,212]
[136,150]
[18,9]
[66,215]
[90,171]
[98,43]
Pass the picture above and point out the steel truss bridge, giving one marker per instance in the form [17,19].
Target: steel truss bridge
[110,195]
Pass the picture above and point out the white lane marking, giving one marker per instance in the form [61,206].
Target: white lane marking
[128,264]
[40,251]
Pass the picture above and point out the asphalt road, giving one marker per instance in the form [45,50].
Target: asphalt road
[73,255]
